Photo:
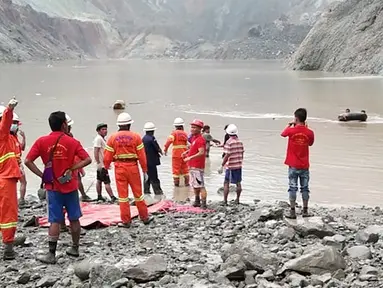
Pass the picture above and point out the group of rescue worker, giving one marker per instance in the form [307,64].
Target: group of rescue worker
[64,159]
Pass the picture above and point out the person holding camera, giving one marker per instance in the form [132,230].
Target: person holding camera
[58,151]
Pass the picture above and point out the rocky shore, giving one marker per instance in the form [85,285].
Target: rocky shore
[235,246]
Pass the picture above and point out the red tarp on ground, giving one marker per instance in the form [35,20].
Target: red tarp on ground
[96,215]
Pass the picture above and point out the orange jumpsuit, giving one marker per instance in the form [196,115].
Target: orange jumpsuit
[125,148]
[179,139]
[9,175]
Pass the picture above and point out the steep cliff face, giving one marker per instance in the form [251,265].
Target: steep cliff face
[29,35]
[157,28]
[347,38]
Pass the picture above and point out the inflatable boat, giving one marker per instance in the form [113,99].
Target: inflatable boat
[354,116]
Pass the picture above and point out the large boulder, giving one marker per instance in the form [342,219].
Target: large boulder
[317,261]
[360,252]
[102,275]
[234,268]
[143,270]
[370,235]
[253,255]
[310,226]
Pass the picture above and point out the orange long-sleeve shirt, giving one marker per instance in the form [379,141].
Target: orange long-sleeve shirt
[9,166]
[125,145]
[179,139]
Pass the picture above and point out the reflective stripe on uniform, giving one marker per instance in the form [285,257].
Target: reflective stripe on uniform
[108,148]
[139,199]
[179,147]
[7,156]
[139,147]
[171,137]
[123,200]
[126,156]
[8,225]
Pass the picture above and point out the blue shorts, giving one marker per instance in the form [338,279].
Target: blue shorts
[57,201]
[233,176]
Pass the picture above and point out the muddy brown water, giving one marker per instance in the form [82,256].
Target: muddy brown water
[258,96]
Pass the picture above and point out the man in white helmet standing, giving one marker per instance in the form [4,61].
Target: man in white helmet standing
[9,175]
[179,140]
[153,154]
[232,161]
[125,148]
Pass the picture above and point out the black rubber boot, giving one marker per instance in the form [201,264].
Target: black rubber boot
[9,253]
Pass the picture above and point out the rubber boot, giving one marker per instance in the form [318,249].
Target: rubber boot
[203,204]
[176,182]
[148,221]
[48,258]
[9,253]
[197,202]
[157,189]
[73,251]
[147,187]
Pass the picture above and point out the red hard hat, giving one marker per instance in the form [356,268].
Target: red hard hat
[197,122]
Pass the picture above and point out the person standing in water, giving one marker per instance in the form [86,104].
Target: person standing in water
[208,138]
[15,130]
[126,149]
[99,144]
[297,158]
[179,140]
[153,154]
[196,161]
[233,159]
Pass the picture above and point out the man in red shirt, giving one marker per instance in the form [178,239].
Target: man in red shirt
[196,160]
[297,158]
[59,150]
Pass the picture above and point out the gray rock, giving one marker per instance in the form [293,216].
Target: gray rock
[359,252]
[24,278]
[82,269]
[285,233]
[337,241]
[165,280]
[266,284]
[339,274]
[149,269]
[268,275]
[297,280]
[318,261]
[271,214]
[120,282]
[368,273]
[310,226]
[234,268]
[253,255]
[271,224]
[47,281]
[319,280]
[66,282]
[250,277]
[104,274]
[351,52]
[369,235]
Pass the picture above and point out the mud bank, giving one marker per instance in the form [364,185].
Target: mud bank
[236,246]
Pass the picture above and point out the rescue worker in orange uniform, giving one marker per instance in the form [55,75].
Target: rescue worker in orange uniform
[15,131]
[9,176]
[179,139]
[125,148]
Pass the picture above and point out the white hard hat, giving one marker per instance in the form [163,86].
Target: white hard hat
[15,117]
[124,119]
[179,122]
[69,120]
[232,129]
[149,126]
[2,109]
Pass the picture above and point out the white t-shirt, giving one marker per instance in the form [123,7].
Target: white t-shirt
[100,142]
